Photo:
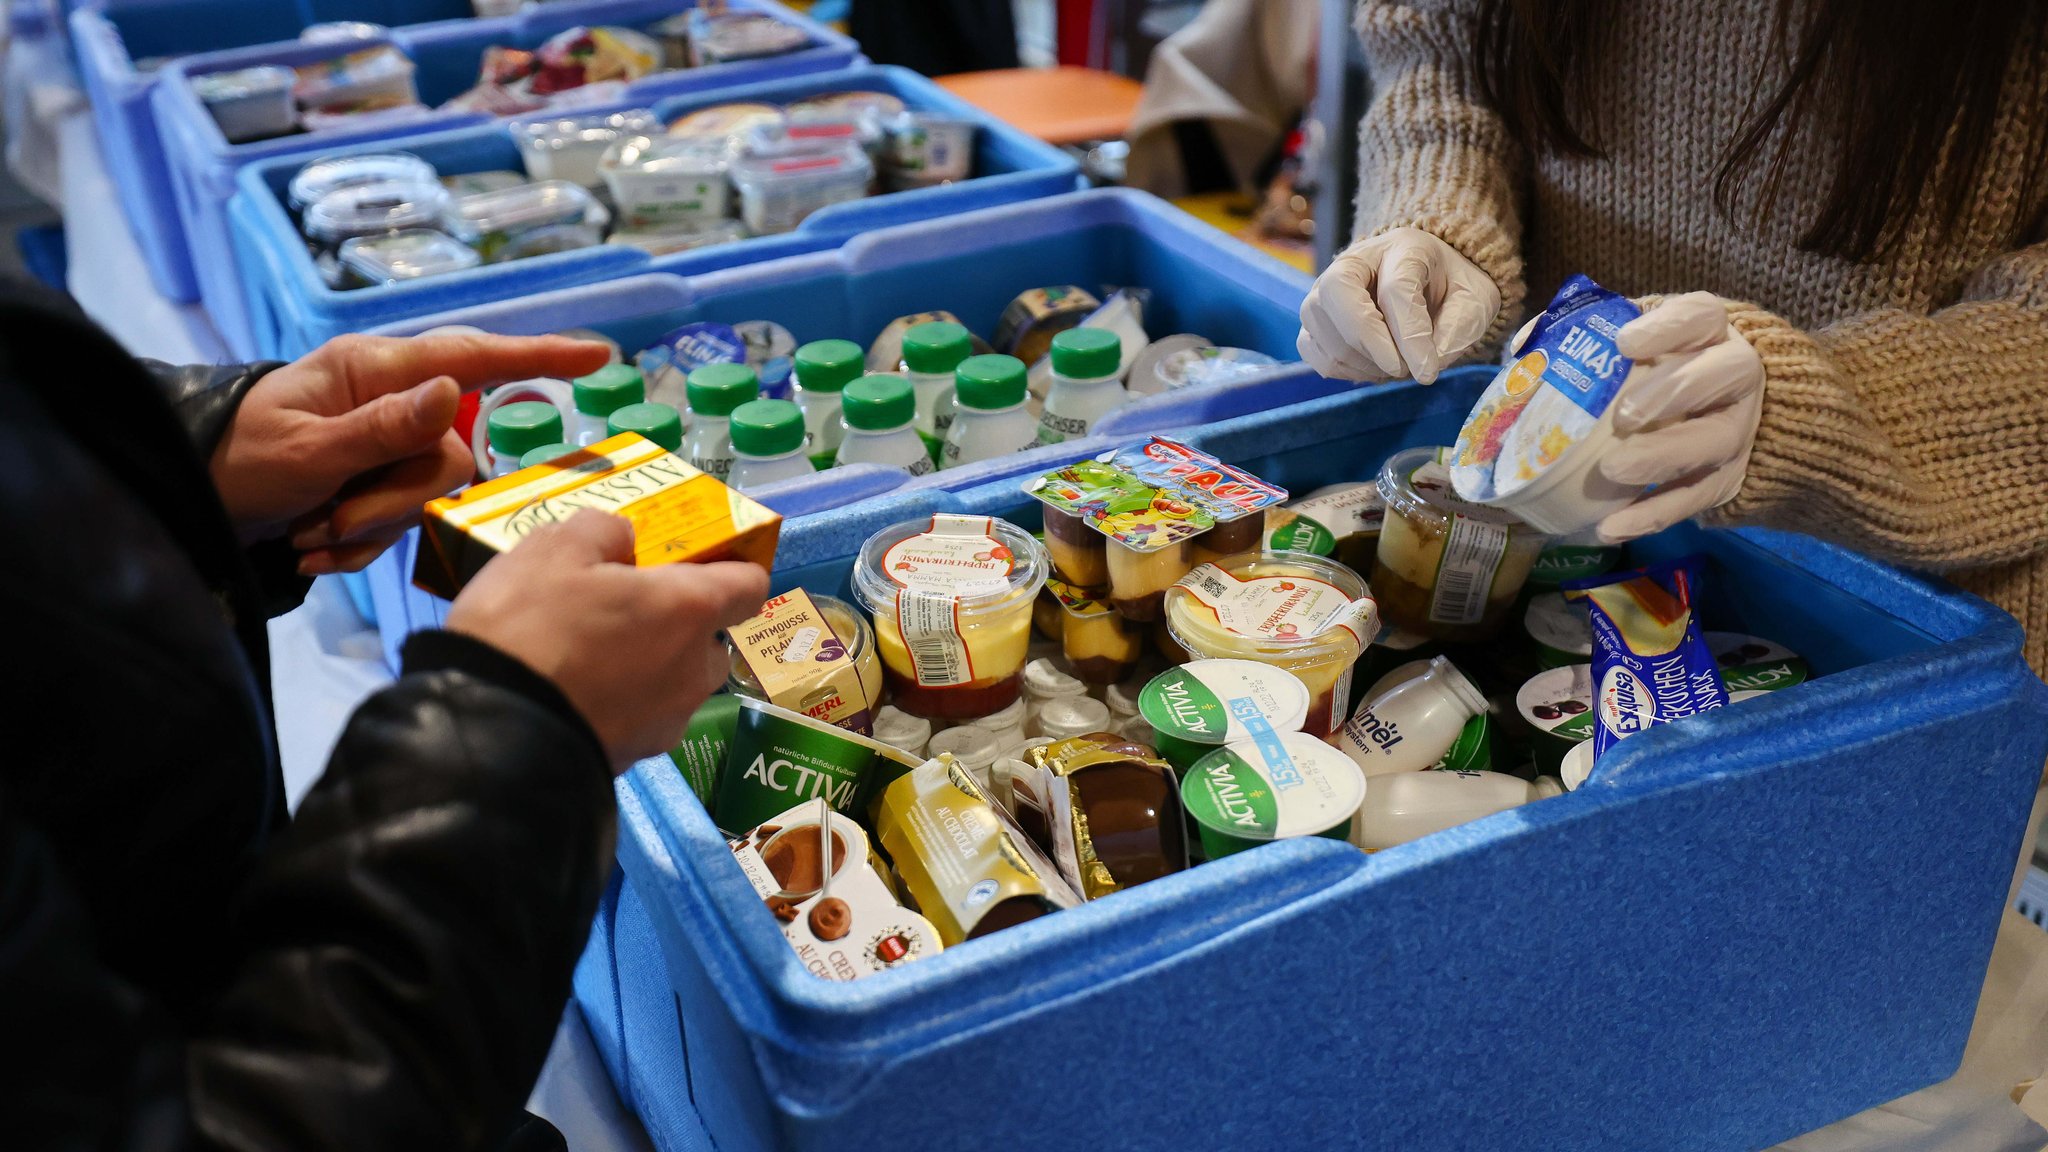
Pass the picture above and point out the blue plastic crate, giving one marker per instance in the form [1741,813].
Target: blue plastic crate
[201,164]
[112,36]
[291,311]
[1743,927]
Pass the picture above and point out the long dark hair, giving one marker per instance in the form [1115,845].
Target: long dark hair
[1909,88]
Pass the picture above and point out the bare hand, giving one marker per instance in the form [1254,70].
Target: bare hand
[636,650]
[342,448]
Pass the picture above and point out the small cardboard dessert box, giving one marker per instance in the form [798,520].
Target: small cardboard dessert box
[679,514]
[843,920]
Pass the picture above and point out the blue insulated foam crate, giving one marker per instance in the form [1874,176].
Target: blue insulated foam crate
[1741,928]
[201,163]
[290,310]
[119,42]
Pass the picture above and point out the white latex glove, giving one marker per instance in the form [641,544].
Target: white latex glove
[1687,424]
[1400,304]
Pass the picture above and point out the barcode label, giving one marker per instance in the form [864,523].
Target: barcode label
[931,631]
[1464,576]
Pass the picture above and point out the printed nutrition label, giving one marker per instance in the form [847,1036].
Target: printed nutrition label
[1472,555]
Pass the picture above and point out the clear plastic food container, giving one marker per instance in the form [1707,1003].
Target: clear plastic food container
[372,210]
[550,239]
[725,124]
[491,221]
[951,598]
[922,150]
[401,256]
[733,36]
[882,106]
[660,183]
[333,173]
[852,630]
[1446,568]
[494,180]
[250,103]
[665,243]
[571,147]
[777,193]
[379,76]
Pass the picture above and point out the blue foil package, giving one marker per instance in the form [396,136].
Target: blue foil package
[1650,663]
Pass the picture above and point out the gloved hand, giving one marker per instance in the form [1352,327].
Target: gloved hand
[1687,424]
[1402,303]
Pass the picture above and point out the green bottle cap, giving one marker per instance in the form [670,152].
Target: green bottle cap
[657,422]
[717,389]
[990,382]
[516,429]
[828,365]
[1087,353]
[767,428]
[544,453]
[609,388]
[936,346]
[878,403]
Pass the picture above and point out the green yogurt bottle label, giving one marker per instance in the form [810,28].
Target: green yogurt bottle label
[1754,664]
[1254,791]
[1219,701]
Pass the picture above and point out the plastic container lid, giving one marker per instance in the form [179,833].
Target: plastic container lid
[878,403]
[407,255]
[544,453]
[990,383]
[936,346]
[243,83]
[552,134]
[522,209]
[609,389]
[792,175]
[664,156]
[657,422]
[369,209]
[516,429]
[717,389]
[334,173]
[767,428]
[1087,353]
[828,365]
[1003,578]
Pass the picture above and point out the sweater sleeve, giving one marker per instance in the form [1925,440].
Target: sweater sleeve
[1432,154]
[1919,439]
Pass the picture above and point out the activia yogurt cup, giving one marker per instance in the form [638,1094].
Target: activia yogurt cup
[1446,568]
[1290,610]
[1253,792]
[1199,706]
[1754,664]
[1560,629]
[1558,707]
[951,597]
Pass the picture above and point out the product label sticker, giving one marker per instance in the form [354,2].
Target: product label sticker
[958,557]
[1280,608]
[802,663]
[1565,377]
[1464,576]
[930,623]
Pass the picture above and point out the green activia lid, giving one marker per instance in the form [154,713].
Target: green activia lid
[610,387]
[1087,353]
[717,389]
[878,403]
[657,422]
[936,346]
[516,429]
[828,365]
[544,453]
[990,382]
[767,428]
[1214,701]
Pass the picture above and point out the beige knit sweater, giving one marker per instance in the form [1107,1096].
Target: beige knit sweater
[1906,404]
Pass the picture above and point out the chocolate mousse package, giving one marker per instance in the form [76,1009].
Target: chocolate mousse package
[1651,665]
[803,664]
[813,869]
[1107,813]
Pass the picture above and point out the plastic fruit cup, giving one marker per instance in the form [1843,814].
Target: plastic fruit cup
[1321,660]
[853,631]
[981,572]
[1251,793]
[1408,565]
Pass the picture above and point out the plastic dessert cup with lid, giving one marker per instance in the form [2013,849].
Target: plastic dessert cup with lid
[1446,568]
[1253,792]
[852,630]
[1080,554]
[1302,613]
[951,599]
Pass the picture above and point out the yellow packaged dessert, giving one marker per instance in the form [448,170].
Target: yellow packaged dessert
[679,514]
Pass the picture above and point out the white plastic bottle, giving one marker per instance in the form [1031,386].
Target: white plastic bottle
[600,394]
[879,414]
[1411,725]
[1084,387]
[518,428]
[1404,806]
[819,371]
[767,444]
[714,390]
[931,353]
[989,418]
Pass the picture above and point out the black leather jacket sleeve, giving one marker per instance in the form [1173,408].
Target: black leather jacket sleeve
[404,947]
